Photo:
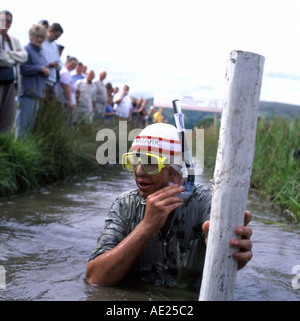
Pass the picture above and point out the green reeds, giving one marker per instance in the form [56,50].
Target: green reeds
[276,172]
[54,151]
[19,164]
[67,149]
[211,138]
[57,150]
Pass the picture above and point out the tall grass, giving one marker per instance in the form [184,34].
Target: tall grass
[54,151]
[66,149]
[20,164]
[276,172]
[211,138]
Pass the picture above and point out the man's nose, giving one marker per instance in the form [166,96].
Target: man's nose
[140,170]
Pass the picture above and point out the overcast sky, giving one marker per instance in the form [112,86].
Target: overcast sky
[174,48]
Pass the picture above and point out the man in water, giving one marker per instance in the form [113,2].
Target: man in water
[151,231]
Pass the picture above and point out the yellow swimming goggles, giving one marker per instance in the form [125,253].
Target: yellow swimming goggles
[152,164]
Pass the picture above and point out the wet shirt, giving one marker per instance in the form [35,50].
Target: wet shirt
[175,254]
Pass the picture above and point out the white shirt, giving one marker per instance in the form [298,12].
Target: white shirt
[87,93]
[50,52]
[8,49]
[66,79]
[124,106]
[101,97]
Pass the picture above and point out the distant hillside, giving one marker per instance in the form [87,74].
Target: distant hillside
[266,110]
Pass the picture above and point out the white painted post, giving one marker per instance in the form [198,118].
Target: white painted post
[232,172]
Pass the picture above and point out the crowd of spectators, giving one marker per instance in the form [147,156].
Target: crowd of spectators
[35,74]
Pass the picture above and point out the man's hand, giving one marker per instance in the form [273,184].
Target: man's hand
[45,71]
[53,64]
[244,255]
[244,243]
[160,204]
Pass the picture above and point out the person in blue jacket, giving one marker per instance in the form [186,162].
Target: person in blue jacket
[34,73]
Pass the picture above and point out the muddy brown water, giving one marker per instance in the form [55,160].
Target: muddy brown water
[46,237]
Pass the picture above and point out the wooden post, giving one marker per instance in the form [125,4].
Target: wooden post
[232,172]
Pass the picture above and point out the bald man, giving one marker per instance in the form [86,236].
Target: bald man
[101,96]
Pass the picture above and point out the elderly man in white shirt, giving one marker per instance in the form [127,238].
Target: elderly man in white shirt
[123,104]
[86,96]
[66,89]
[101,96]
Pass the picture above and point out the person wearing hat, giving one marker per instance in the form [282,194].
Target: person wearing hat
[44,23]
[60,49]
[152,232]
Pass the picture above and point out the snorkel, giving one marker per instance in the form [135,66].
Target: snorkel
[186,154]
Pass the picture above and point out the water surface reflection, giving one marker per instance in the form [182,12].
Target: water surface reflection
[46,238]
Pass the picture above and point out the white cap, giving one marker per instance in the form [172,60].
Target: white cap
[163,140]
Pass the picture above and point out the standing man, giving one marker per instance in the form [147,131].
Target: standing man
[51,53]
[86,95]
[79,72]
[101,97]
[11,55]
[123,104]
[66,89]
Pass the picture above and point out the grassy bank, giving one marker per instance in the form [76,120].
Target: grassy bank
[276,172]
[56,150]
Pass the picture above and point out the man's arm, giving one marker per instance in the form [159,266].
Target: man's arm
[16,56]
[111,267]
[118,100]
[67,93]
[119,96]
